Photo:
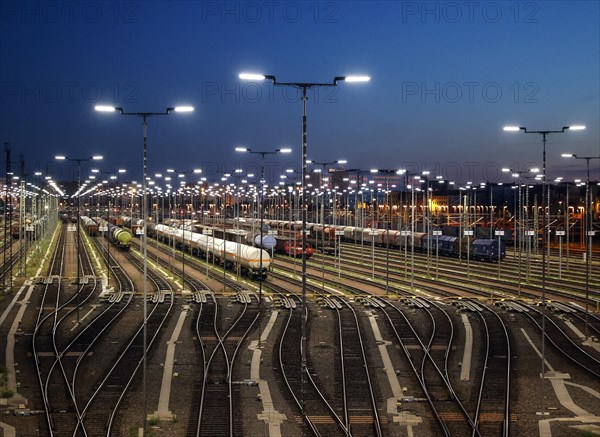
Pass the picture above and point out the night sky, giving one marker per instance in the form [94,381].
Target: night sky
[446,77]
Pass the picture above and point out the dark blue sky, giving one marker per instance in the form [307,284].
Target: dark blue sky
[446,76]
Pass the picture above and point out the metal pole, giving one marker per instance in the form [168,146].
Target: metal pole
[437,249]
[528,232]
[145,256]
[412,240]
[260,206]
[183,258]
[468,232]
[491,211]
[223,209]
[499,252]
[372,251]
[560,257]
[78,235]
[22,240]
[516,226]
[520,236]
[387,239]
[323,229]
[107,249]
[568,229]
[7,221]
[304,309]
[588,247]
[543,251]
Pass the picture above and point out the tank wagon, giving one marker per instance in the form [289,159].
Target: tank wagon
[227,253]
[133,224]
[243,235]
[89,225]
[282,240]
[253,235]
[118,236]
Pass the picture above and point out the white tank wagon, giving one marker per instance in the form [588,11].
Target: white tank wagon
[227,252]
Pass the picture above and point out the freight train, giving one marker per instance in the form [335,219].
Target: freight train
[272,241]
[227,253]
[285,243]
[483,249]
[244,234]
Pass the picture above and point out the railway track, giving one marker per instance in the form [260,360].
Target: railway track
[361,416]
[9,266]
[439,348]
[219,396]
[357,414]
[204,323]
[563,343]
[100,414]
[476,285]
[492,415]
[316,414]
[52,363]
[428,358]
[425,267]
[216,396]
[102,325]
[509,263]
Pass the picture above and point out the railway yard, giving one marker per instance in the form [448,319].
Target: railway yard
[398,342]
[299,218]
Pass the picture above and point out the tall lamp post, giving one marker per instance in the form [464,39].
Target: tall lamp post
[144,116]
[544,134]
[78,230]
[321,214]
[260,203]
[389,222]
[181,176]
[240,180]
[589,232]
[112,177]
[517,174]
[223,214]
[304,86]
[324,165]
